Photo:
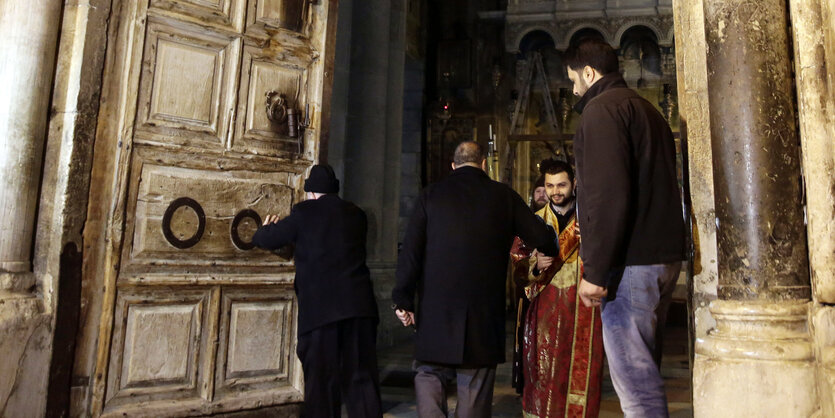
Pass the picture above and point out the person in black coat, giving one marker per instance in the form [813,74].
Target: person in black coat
[454,256]
[337,324]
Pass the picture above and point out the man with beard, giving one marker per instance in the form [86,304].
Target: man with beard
[539,198]
[563,344]
[633,230]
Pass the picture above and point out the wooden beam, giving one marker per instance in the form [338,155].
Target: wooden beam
[540,137]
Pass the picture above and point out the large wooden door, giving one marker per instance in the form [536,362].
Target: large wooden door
[181,316]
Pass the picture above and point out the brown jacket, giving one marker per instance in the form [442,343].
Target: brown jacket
[628,201]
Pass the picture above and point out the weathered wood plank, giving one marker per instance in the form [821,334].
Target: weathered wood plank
[217,14]
[256,341]
[159,345]
[221,195]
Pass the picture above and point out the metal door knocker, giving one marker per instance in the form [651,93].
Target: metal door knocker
[276,107]
[281,112]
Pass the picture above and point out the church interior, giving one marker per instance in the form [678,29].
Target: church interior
[143,141]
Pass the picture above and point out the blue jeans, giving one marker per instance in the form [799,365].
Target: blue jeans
[632,327]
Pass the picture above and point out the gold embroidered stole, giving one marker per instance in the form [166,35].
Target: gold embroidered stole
[565,268]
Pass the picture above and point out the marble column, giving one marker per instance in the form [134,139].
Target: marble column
[756,159]
[761,339]
[29,30]
[29,33]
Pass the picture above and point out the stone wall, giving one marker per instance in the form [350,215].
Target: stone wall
[36,379]
[562,19]
[411,157]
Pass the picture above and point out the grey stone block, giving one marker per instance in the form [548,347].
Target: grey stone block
[414,79]
[412,100]
[411,141]
[412,124]
[409,163]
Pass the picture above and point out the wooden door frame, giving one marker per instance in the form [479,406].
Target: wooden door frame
[103,232]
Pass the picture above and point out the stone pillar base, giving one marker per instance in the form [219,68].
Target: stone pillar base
[823,331]
[25,335]
[758,361]
[11,283]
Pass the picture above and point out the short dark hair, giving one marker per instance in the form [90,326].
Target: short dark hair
[468,152]
[552,166]
[595,53]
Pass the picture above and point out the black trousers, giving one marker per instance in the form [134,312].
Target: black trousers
[475,390]
[340,361]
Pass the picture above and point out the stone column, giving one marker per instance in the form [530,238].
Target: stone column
[29,33]
[694,116]
[373,138]
[814,53]
[761,236]
[366,133]
[814,57]
[761,340]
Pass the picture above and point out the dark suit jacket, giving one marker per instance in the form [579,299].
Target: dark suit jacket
[332,280]
[455,256]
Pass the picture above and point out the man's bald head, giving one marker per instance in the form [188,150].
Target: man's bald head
[468,152]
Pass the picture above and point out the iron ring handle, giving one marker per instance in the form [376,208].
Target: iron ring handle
[276,107]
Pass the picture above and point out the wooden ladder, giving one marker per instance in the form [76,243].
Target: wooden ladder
[535,69]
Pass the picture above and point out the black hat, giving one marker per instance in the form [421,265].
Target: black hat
[321,180]
[540,182]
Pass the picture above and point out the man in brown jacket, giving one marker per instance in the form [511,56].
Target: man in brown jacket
[629,210]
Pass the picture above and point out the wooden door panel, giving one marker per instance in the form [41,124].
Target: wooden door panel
[262,74]
[188,215]
[284,14]
[257,342]
[160,345]
[224,14]
[187,86]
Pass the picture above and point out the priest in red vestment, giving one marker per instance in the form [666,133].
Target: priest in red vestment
[563,342]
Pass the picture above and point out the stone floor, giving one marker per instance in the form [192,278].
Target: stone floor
[399,400]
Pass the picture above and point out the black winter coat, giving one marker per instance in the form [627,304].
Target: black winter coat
[628,200]
[455,256]
[332,280]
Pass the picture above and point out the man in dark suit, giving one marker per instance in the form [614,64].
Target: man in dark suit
[455,257]
[338,319]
